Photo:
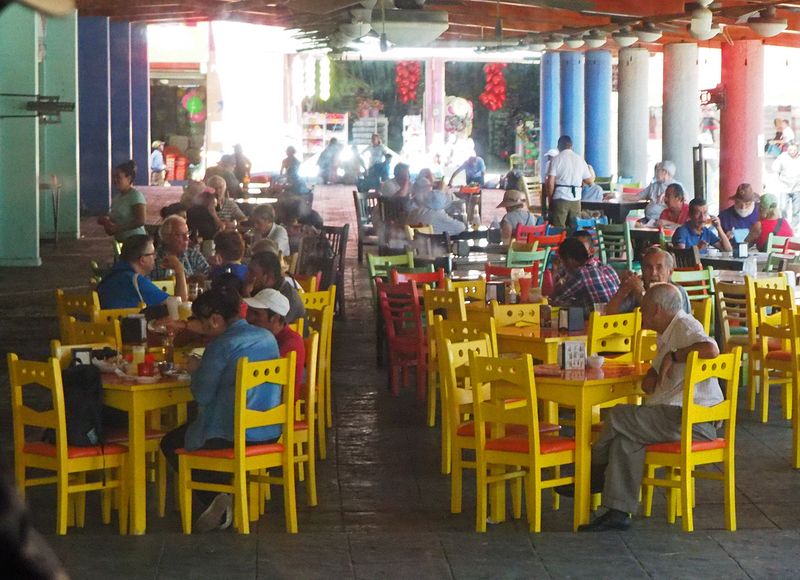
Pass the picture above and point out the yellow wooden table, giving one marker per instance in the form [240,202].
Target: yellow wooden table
[136,399]
[582,390]
[540,343]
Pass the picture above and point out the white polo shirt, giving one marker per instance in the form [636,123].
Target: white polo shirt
[683,331]
[570,170]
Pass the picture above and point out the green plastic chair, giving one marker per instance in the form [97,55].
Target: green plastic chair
[616,249]
[699,284]
[382,265]
[523,259]
[776,243]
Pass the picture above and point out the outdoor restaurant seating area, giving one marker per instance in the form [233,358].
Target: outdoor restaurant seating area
[392,456]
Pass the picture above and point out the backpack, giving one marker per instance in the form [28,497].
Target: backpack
[83,406]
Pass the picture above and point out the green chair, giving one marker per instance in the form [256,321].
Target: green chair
[776,243]
[382,265]
[523,258]
[616,249]
[699,284]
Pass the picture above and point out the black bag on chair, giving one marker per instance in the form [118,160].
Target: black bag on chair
[83,406]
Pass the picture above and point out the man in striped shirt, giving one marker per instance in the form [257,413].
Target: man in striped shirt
[586,282]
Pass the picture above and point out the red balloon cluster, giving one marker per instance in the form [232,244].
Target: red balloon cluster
[406,78]
[493,96]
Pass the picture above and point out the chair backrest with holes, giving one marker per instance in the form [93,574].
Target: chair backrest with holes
[109,314]
[614,334]
[458,331]
[81,305]
[645,346]
[79,332]
[511,314]
[167,285]
[732,310]
[775,311]
[453,369]
[449,303]
[473,289]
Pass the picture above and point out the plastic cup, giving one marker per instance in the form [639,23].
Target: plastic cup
[524,288]
[173,305]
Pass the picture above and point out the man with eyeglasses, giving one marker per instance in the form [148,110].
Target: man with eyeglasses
[127,284]
[174,236]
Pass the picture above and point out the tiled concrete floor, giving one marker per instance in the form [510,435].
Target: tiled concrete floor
[384,507]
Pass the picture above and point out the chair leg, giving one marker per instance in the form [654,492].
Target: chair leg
[647,491]
[62,503]
[764,394]
[322,444]
[311,481]
[433,386]
[729,481]
[786,393]
[456,481]
[516,498]
[672,498]
[446,444]
[162,484]
[328,396]
[80,505]
[298,451]
[240,502]
[751,385]
[289,500]
[556,496]
[124,498]
[481,498]
[185,494]
[687,498]
[254,497]
[535,500]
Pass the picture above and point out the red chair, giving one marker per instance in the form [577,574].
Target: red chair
[405,334]
[792,246]
[529,234]
[504,272]
[420,278]
[550,241]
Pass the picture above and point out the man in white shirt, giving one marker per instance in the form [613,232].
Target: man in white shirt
[787,166]
[566,175]
[618,454]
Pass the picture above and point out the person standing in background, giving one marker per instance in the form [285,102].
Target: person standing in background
[566,176]
[787,166]
[127,213]
[158,170]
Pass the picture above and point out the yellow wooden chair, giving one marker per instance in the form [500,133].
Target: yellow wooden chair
[751,284]
[449,303]
[411,231]
[319,317]
[682,458]
[645,346]
[613,335]
[457,332]
[81,305]
[515,314]
[298,326]
[69,463]
[304,425]
[308,283]
[732,312]
[79,332]
[246,463]
[106,314]
[701,310]
[778,348]
[511,400]
[167,285]
[474,290]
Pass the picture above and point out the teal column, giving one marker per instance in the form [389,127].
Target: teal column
[59,142]
[19,139]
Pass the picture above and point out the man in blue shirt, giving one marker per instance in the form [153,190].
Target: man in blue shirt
[474,170]
[743,213]
[158,169]
[694,233]
[127,284]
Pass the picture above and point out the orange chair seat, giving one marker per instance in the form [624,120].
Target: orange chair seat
[120,434]
[73,451]
[675,446]
[779,355]
[519,444]
[250,451]
[772,344]
[301,425]
[467,429]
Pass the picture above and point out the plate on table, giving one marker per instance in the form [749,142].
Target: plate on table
[147,380]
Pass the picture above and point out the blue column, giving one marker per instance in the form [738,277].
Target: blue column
[550,104]
[94,114]
[572,105]
[120,52]
[598,111]
[140,102]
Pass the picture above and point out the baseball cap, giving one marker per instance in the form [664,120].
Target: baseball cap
[768,200]
[269,299]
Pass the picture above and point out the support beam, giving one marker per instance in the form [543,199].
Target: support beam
[140,103]
[549,104]
[681,119]
[94,114]
[742,118]
[598,111]
[120,54]
[572,101]
[633,113]
[434,104]
[19,139]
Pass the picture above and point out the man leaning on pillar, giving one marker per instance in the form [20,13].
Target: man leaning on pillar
[566,176]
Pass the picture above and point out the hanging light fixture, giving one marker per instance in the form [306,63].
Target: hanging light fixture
[767,23]
[648,32]
[624,37]
[574,41]
[705,34]
[553,42]
[595,38]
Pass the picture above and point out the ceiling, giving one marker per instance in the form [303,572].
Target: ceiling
[470,21]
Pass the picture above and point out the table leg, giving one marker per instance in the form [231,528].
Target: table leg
[137,483]
[583,464]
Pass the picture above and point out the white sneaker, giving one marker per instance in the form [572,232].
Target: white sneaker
[218,515]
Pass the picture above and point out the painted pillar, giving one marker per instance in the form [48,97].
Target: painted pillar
[633,113]
[681,119]
[59,142]
[572,100]
[140,103]
[94,114]
[19,139]
[549,105]
[598,111]
[120,59]
[741,118]
[434,104]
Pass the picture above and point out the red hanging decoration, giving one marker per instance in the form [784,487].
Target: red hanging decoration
[406,80]
[493,96]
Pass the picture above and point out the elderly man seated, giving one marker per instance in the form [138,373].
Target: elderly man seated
[431,212]
[618,455]
[654,192]
[586,281]
[265,271]
[694,233]
[174,235]
[657,267]
[127,285]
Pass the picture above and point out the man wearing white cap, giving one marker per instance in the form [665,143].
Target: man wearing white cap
[158,169]
[268,310]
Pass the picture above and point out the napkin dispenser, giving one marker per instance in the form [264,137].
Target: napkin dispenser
[134,329]
[738,242]
[740,250]
[572,355]
[571,319]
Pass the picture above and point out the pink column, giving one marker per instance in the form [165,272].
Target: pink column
[434,103]
[741,119]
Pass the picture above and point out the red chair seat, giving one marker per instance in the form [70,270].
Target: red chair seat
[227,453]
[675,446]
[301,425]
[467,429]
[519,444]
[772,344]
[779,355]
[73,451]
[120,434]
